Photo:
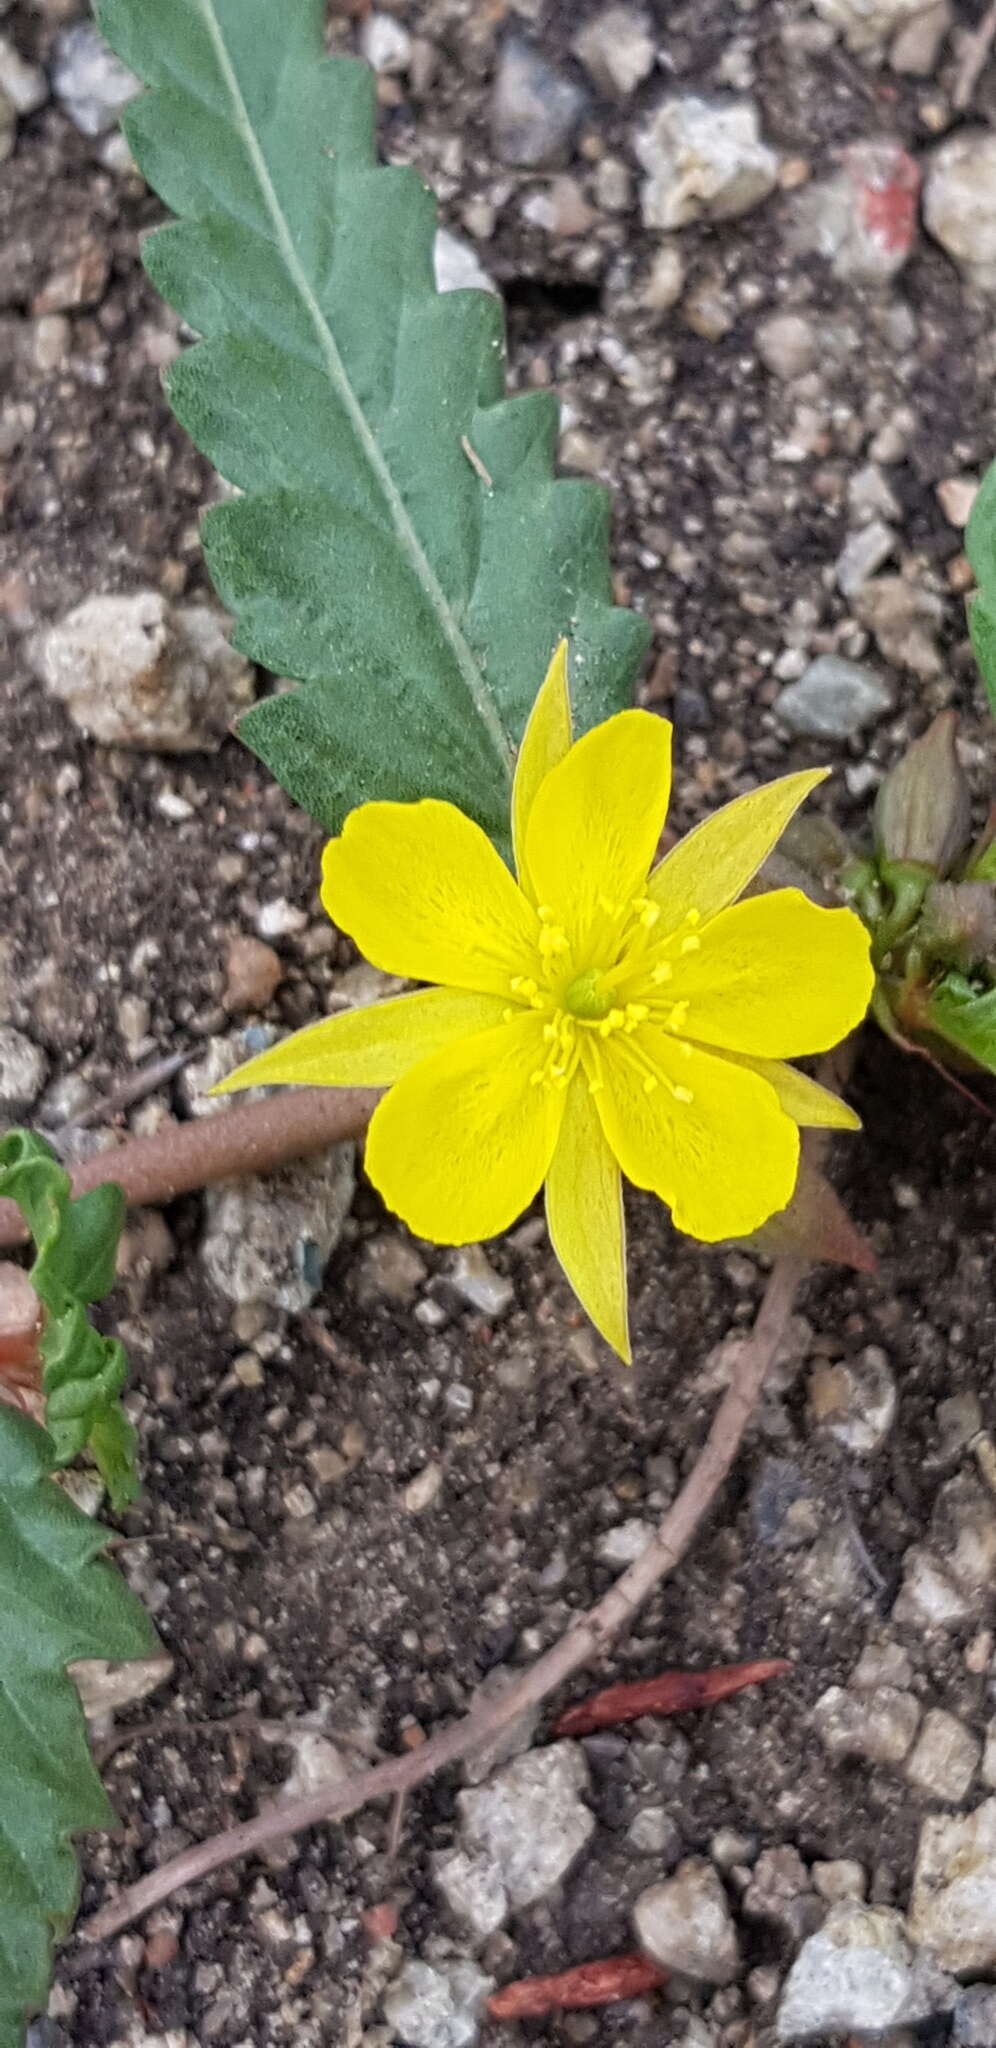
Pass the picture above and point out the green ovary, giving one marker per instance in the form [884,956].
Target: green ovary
[588,997]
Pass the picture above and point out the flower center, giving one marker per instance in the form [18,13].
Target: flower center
[587,996]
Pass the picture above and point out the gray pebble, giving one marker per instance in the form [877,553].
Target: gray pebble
[834,699]
[89,81]
[534,109]
[437,2005]
[23,1068]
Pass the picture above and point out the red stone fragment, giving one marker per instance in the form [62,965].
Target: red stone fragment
[674,1692]
[600,1983]
[380,1923]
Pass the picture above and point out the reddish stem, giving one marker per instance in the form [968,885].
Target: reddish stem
[600,1983]
[674,1692]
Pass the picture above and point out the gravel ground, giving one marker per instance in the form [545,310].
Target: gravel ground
[366,1492]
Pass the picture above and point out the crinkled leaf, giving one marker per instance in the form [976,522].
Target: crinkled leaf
[58,1601]
[401,547]
[84,1372]
[966,1018]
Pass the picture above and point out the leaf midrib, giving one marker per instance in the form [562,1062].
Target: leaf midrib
[408,539]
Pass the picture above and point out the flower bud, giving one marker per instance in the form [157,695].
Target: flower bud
[958,924]
[923,808]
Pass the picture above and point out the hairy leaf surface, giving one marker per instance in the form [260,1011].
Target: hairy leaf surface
[58,1602]
[402,549]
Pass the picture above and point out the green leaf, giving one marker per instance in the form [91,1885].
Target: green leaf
[966,1018]
[58,1601]
[84,1372]
[402,548]
[982,630]
[980,534]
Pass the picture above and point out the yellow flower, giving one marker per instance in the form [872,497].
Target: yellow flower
[597,1014]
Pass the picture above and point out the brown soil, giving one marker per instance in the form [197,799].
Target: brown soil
[379,1619]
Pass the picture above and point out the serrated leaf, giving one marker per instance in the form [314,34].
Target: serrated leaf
[966,1018]
[58,1602]
[402,548]
[76,1244]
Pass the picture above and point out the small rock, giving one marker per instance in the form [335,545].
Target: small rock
[928,1596]
[780,1892]
[478,1284]
[959,201]
[974,2018]
[859,1974]
[104,1688]
[882,1663]
[945,1757]
[253,973]
[862,220]
[25,84]
[956,495]
[389,1269]
[856,1403]
[666,281]
[867,24]
[704,161]
[279,919]
[862,554]
[834,699]
[953,1908]
[23,1069]
[80,279]
[878,1725]
[905,619]
[423,1490]
[989,1755]
[685,1923]
[437,2005]
[385,43]
[534,109]
[709,311]
[512,1740]
[786,345]
[472,1890]
[270,1239]
[624,1544]
[653,1832]
[617,48]
[916,46]
[840,1881]
[139,672]
[457,266]
[530,1821]
[89,81]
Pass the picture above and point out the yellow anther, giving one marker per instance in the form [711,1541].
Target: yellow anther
[647,911]
[690,945]
[649,1083]
[661,973]
[693,917]
[683,1095]
[523,985]
[537,1078]
[636,1013]
[508,1016]
[678,1015]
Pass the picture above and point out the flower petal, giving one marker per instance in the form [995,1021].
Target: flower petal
[775,977]
[546,740]
[372,1046]
[596,820]
[724,1161]
[424,894]
[803,1099]
[584,1213]
[460,1146]
[713,864]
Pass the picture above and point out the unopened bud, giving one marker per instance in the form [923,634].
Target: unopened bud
[923,808]
[958,924]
